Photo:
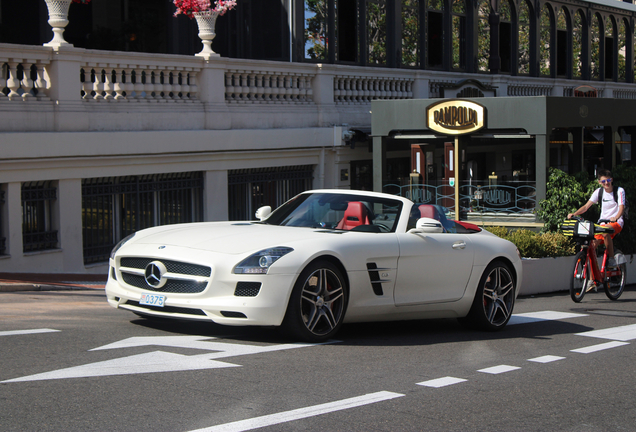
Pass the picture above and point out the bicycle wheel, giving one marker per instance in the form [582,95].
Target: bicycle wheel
[615,284]
[580,276]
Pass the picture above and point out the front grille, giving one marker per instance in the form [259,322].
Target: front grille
[247,289]
[171,266]
[172,285]
[168,309]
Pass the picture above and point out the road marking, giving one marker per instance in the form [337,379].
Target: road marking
[530,317]
[297,414]
[25,332]
[622,333]
[546,359]
[161,361]
[442,382]
[499,369]
[600,347]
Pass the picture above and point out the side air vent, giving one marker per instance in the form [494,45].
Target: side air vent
[247,289]
[374,275]
[229,314]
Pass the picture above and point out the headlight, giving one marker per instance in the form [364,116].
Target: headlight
[120,244]
[260,262]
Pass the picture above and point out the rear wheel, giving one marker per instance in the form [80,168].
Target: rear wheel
[318,302]
[615,283]
[494,299]
[580,277]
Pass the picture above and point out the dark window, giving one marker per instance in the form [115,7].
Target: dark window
[250,189]
[435,43]
[115,207]
[38,232]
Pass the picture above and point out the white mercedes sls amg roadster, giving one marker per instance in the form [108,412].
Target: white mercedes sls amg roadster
[324,258]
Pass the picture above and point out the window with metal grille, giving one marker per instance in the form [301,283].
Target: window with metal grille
[114,207]
[250,189]
[3,239]
[38,231]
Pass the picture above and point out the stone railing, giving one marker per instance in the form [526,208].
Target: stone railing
[362,90]
[134,77]
[266,87]
[120,88]
[23,74]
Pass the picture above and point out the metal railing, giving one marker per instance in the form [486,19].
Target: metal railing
[506,198]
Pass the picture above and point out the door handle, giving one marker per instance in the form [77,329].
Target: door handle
[459,245]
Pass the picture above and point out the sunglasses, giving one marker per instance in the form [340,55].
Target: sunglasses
[606,181]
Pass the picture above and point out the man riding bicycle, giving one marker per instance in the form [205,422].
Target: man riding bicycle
[610,210]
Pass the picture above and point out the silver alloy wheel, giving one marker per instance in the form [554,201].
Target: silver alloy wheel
[322,301]
[499,296]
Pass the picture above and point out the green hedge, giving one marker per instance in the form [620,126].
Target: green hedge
[536,245]
[565,194]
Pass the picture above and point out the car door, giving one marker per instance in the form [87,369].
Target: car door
[433,267]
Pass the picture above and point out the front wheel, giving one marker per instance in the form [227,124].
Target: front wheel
[494,299]
[615,282]
[580,277]
[318,302]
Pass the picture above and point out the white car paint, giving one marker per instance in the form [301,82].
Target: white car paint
[418,274]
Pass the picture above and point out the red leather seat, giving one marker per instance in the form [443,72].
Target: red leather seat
[429,211]
[355,215]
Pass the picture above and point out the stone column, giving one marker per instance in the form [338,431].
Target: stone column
[68,219]
[542,153]
[379,163]
[215,196]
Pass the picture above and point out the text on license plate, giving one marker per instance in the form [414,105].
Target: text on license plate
[152,299]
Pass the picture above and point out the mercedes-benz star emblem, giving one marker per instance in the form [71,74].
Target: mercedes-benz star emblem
[154,274]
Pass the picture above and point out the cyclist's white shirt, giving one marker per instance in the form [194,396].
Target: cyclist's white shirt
[609,208]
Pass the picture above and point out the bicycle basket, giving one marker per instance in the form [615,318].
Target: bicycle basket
[578,229]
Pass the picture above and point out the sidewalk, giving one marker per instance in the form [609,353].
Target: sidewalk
[11,282]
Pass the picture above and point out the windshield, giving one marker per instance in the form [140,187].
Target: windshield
[338,212]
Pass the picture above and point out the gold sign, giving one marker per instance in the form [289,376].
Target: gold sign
[455,117]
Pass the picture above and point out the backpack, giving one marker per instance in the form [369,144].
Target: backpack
[615,193]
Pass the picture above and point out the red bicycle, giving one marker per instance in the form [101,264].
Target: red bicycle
[586,274]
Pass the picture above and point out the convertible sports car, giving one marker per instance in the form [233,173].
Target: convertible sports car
[323,258]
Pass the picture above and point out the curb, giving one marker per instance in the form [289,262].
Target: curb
[18,287]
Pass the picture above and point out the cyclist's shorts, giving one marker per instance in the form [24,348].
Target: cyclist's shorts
[617,228]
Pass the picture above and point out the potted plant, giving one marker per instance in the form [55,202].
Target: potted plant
[206,16]
[58,19]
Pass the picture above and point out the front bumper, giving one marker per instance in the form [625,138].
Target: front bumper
[218,302]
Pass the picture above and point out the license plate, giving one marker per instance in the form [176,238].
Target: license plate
[152,299]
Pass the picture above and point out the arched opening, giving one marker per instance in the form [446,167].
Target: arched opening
[410,33]
[459,34]
[609,48]
[505,36]
[562,42]
[577,45]
[434,33]
[376,32]
[545,41]
[622,50]
[523,65]
[483,36]
[595,51]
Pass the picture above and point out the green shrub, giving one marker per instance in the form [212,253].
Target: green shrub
[536,245]
[564,194]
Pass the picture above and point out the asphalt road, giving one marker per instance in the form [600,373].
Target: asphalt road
[70,362]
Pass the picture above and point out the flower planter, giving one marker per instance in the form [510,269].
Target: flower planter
[546,275]
[206,21]
[58,20]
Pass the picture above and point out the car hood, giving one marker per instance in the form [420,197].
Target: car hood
[230,237]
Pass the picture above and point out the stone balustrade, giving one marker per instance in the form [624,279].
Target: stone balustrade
[236,91]
[266,87]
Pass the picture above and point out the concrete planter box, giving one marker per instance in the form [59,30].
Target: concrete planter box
[546,275]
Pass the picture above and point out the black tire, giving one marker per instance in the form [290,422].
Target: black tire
[494,298]
[580,276]
[614,285]
[318,303]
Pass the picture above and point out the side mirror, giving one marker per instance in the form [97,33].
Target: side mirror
[263,212]
[427,226]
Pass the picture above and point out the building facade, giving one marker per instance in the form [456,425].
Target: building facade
[124,128]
